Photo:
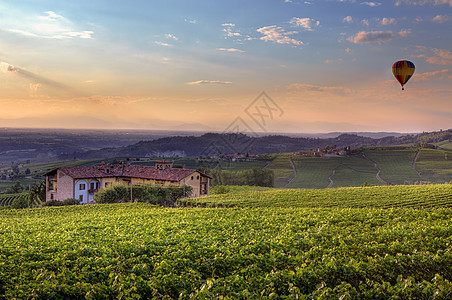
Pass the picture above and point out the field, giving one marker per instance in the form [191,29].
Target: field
[348,243]
[394,165]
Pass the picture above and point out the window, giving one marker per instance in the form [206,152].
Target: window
[192,178]
[51,196]
[82,186]
[197,177]
[80,198]
[107,184]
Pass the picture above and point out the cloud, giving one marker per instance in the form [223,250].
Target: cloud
[442,74]
[423,2]
[365,22]
[208,82]
[162,44]
[404,33]
[35,86]
[228,28]
[38,79]
[348,19]
[6,67]
[51,16]
[442,18]
[371,4]
[309,88]
[388,21]
[171,36]
[306,23]
[51,26]
[364,37]
[230,50]
[435,56]
[331,61]
[191,21]
[278,35]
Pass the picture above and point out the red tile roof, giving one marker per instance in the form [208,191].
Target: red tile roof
[130,171]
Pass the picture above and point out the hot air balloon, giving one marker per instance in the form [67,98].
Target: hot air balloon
[403,70]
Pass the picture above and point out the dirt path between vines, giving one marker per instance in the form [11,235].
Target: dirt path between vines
[331,179]
[294,172]
[414,163]
[378,171]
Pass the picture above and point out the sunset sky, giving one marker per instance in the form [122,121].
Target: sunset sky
[324,65]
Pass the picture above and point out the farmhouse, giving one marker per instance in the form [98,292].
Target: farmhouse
[82,182]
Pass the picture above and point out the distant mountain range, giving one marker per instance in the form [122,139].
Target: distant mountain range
[45,145]
[216,143]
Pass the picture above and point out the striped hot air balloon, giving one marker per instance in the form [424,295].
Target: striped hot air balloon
[403,70]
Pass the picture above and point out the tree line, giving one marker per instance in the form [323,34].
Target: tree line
[252,177]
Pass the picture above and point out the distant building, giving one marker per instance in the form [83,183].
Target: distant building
[83,182]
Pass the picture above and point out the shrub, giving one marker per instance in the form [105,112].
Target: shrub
[71,201]
[142,193]
[20,202]
[107,195]
[219,189]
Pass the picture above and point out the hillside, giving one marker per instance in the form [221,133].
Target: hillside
[350,243]
[215,143]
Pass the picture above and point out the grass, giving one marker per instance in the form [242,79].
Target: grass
[282,169]
[435,165]
[395,165]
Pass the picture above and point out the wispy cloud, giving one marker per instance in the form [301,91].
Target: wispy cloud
[305,23]
[388,21]
[423,2]
[171,37]
[364,37]
[278,35]
[442,18]
[51,25]
[230,50]
[209,82]
[37,80]
[371,4]
[441,74]
[229,29]
[332,61]
[162,44]
[348,19]
[435,56]
[309,88]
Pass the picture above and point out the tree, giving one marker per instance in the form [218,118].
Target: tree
[20,202]
[15,169]
[38,192]
[16,188]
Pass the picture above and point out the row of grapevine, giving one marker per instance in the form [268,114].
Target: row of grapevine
[7,200]
[378,197]
[137,251]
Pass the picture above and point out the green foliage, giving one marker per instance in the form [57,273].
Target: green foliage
[16,188]
[20,202]
[420,196]
[251,177]
[142,193]
[137,251]
[53,203]
[70,201]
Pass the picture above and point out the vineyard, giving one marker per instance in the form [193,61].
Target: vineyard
[348,243]
[6,200]
[422,196]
